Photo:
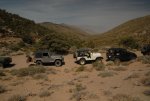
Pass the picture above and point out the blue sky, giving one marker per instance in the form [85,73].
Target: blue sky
[93,15]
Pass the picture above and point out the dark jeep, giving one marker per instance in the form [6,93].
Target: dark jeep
[119,54]
[145,50]
[46,57]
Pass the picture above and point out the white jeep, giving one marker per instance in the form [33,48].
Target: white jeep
[86,56]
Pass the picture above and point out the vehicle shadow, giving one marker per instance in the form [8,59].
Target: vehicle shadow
[9,66]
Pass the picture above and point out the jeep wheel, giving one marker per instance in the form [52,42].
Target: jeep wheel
[39,63]
[1,66]
[117,61]
[99,60]
[82,61]
[58,63]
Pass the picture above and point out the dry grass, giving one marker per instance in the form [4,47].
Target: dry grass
[119,68]
[45,93]
[16,83]
[40,76]
[148,73]
[78,92]
[144,59]
[146,81]
[146,92]
[107,93]
[2,73]
[2,89]
[17,98]
[81,68]
[51,71]
[93,96]
[107,74]
[131,75]
[123,97]
[30,71]
[98,66]
[110,63]
[127,63]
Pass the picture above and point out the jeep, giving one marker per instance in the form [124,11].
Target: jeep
[5,61]
[46,57]
[145,50]
[119,54]
[82,57]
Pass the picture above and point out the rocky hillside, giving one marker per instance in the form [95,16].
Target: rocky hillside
[56,37]
[138,28]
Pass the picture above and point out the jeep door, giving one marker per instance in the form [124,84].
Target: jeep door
[46,58]
[124,55]
[88,56]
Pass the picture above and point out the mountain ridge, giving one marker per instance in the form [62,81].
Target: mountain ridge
[138,28]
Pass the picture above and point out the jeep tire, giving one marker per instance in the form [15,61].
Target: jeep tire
[58,63]
[1,66]
[39,63]
[82,61]
[99,60]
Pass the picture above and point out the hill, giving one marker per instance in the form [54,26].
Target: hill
[58,37]
[65,29]
[138,29]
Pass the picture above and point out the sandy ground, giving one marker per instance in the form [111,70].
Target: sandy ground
[65,84]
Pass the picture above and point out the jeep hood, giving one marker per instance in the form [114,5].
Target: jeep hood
[97,54]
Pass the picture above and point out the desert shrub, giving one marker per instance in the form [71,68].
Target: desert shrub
[17,98]
[27,38]
[28,71]
[119,69]
[148,73]
[2,89]
[147,92]
[123,97]
[78,92]
[89,43]
[2,73]
[146,81]
[110,63]
[14,47]
[98,66]
[44,93]
[144,59]
[129,42]
[81,68]
[106,74]
[40,76]
[131,75]
[16,83]
[93,96]
[56,43]
[107,93]
[80,87]
[72,49]
[126,63]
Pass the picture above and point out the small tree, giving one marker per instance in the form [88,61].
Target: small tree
[129,42]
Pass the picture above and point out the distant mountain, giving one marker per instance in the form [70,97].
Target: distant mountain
[65,29]
[48,35]
[138,28]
